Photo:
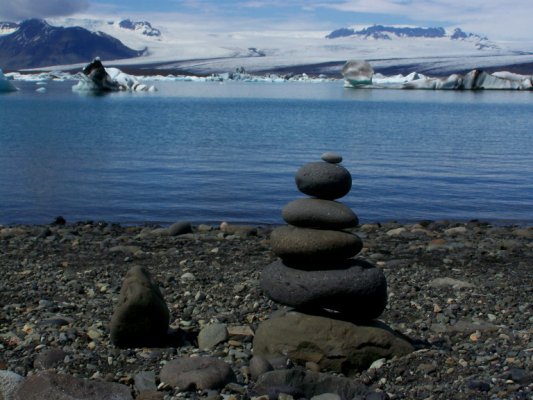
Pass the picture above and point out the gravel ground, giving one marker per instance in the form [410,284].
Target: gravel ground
[462,292]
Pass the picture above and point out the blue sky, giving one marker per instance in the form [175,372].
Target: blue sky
[499,20]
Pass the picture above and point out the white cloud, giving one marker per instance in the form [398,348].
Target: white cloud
[15,10]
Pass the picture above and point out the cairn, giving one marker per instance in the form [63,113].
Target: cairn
[335,297]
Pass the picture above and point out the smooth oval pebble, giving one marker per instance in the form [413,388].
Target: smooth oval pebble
[331,157]
[324,180]
[304,244]
[320,214]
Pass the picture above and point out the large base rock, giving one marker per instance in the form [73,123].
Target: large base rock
[358,290]
[141,318]
[334,345]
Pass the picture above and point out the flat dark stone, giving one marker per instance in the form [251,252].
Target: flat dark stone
[320,214]
[324,180]
[304,244]
[359,290]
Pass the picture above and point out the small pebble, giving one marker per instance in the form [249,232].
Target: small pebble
[331,157]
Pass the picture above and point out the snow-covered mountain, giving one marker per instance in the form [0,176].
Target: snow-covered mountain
[381,32]
[187,47]
[37,44]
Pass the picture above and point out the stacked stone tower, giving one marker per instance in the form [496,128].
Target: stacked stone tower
[335,297]
[316,271]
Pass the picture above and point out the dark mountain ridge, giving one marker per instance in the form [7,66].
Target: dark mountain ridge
[388,32]
[37,44]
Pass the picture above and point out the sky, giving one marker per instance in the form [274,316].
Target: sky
[496,19]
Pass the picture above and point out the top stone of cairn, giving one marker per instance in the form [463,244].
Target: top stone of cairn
[331,157]
[324,180]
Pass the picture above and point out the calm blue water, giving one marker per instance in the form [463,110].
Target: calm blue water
[208,152]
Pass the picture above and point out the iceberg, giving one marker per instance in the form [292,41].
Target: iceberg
[473,80]
[96,78]
[358,72]
[5,84]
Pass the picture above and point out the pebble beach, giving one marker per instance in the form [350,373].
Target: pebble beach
[460,292]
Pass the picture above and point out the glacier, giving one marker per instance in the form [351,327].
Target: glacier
[5,84]
[473,80]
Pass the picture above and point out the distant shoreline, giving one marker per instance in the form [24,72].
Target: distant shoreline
[331,69]
[267,226]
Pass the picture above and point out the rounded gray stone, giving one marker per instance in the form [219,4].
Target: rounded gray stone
[258,366]
[305,245]
[358,290]
[331,157]
[320,214]
[9,384]
[324,180]
[179,228]
[211,335]
[193,373]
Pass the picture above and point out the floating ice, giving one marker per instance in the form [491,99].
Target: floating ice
[358,72]
[96,78]
[5,84]
[474,80]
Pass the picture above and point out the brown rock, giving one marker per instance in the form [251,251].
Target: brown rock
[49,358]
[47,385]
[191,373]
[300,383]
[335,345]
[151,395]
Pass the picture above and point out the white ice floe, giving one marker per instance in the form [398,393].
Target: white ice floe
[473,80]
[59,76]
[5,84]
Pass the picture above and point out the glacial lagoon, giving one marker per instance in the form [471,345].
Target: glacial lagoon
[209,152]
